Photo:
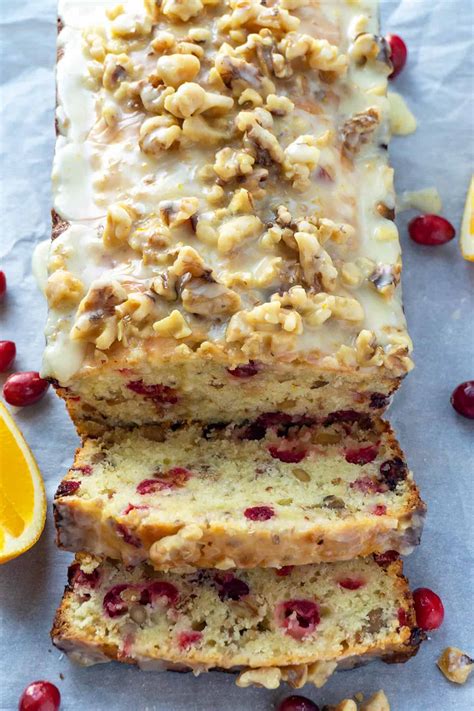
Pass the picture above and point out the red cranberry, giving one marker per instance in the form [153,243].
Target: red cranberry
[351,583]
[188,639]
[22,389]
[289,456]
[298,617]
[393,471]
[297,703]
[379,400]
[150,486]
[67,488]
[245,371]
[3,284]
[402,617]
[76,576]
[128,536]
[398,54]
[233,588]
[366,485]
[284,571]
[113,604]
[158,393]
[428,608]
[431,230]
[379,510]
[273,419]
[86,469]
[259,513]
[134,507]
[40,696]
[462,399]
[386,558]
[363,455]
[7,355]
[157,590]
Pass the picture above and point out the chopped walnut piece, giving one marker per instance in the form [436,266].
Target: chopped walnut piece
[317,264]
[319,672]
[118,225]
[319,53]
[455,665]
[96,321]
[266,677]
[377,702]
[230,163]
[129,26]
[209,298]
[301,157]
[176,69]
[63,290]
[158,134]
[279,105]
[138,306]
[116,69]
[368,47]
[173,326]
[176,212]
[358,129]
[189,261]
[190,99]
[236,230]
[181,9]
[242,201]
[344,705]
[198,130]
[165,285]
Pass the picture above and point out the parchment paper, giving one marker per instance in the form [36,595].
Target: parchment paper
[439,304]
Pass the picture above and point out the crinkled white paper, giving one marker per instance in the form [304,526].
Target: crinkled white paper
[438,287]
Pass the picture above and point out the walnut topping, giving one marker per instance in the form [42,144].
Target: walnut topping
[279,105]
[176,212]
[198,130]
[116,69]
[190,99]
[230,163]
[296,676]
[176,69]
[455,665]
[159,133]
[319,53]
[358,129]
[301,157]
[96,321]
[172,326]
[130,26]
[189,261]
[317,265]
[181,9]
[209,299]
[118,225]
[236,230]
[368,48]
[367,351]
[63,290]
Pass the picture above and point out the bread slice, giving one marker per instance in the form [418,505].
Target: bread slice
[223,236]
[297,626]
[272,492]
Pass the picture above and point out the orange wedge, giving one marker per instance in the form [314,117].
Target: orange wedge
[467,229]
[22,497]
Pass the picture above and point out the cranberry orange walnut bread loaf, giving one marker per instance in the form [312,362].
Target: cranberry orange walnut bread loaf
[267,493]
[296,627]
[223,239]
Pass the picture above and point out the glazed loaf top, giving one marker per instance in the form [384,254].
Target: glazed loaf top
[221,186]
